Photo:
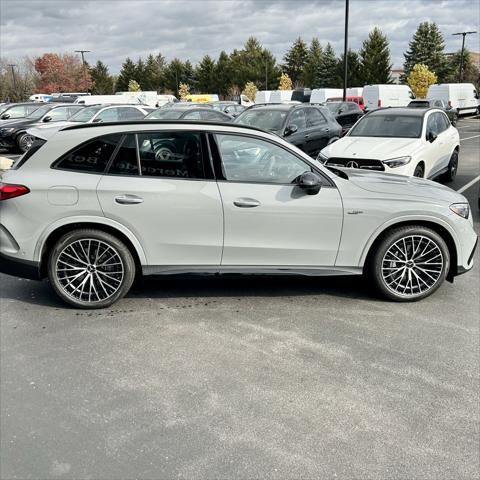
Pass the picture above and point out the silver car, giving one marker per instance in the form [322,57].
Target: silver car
[98,204]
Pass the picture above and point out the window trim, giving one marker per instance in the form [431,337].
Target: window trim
[217,161]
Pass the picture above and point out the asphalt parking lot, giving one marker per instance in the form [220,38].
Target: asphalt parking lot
[245,377]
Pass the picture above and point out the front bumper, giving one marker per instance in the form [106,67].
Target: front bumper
[7,142]
[19,268]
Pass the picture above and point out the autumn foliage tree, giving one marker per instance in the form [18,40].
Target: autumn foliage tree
[62,73]
[419,79]
[250,90]
[285,82]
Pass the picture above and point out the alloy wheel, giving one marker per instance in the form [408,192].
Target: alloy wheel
[89,270]
[25,142]
[412,265]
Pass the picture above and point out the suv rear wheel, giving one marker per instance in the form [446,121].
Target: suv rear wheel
[90,268]
[410,263]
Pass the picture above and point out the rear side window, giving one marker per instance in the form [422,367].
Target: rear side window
[314,117]
[92,156]
[171,154]
[125,161]
[130,113]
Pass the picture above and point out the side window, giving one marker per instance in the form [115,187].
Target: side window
[125,161]
[441,124]
[247,159]
[72,111]
[129,113]
[108,115]
[432,124]
[171,154]
[57,114]
[17,111]
[298,118]
[92,156]
[192,116]
[446,121]
[314,117]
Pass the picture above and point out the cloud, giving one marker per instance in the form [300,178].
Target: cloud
[189,29]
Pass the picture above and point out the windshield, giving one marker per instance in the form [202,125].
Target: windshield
[401,126]
[419,104]
[39,112]
[164,115]
[85,115]
[266,119]
[333,106]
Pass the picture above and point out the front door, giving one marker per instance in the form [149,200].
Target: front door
[269,220]
[161,188]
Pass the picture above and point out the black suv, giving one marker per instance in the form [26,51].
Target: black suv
[13,133]
[346,113]
[452,113]
[18,110]
[308,127]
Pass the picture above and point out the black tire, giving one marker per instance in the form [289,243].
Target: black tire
[451,173]
[24,142]
[381,263]
[419,172]
[455,120]
[110,282]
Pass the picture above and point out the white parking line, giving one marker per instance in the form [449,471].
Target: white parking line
[468,138]
[469,184]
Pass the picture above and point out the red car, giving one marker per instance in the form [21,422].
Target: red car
[357,100]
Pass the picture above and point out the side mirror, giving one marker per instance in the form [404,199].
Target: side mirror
[47,119]
[310,182]
[431,137]
[290,130]
[340,111]
[97,120]
[5,116]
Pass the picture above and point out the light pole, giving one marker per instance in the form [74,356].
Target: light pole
[464,34]
[345,50]
[12,66]
[82,52]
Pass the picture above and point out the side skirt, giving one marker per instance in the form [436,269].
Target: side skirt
[249,270]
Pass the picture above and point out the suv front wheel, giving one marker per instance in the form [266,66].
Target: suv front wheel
[90,268]
[409,263]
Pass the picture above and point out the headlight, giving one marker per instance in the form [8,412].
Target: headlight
[321,157]
[4,131]
[462,209]
[397,162]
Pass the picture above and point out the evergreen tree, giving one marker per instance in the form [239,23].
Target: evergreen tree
[326,73]
[188,75]
[173,75]
[127,73]
[375,59]
[427,47]
[140,73]
[103,81]
[154,67]
[470,74]
[223,74]
[313,64]
[205,75]
[354,76]
[295,60]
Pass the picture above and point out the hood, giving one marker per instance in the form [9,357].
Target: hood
[16,121]
[375,148]
[45,131]
[402,185]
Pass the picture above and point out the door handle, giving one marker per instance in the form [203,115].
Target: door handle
[246,202]
[326,129]
[307,136]
[128,199]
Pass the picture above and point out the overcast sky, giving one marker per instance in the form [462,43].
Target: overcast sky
[113,30]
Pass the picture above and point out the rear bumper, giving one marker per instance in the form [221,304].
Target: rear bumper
[19,268]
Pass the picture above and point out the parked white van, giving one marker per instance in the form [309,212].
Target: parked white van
[263,96]
[101,99]
[461,96]
[377,96]
[40,97]
[354,92]
[146,98]
[321,95]
[280,96]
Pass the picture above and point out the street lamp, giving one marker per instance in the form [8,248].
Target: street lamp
[82,52]
[464,34]
[345,50]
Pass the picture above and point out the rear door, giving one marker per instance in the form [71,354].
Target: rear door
[300,138]
[161,187]
[318,129]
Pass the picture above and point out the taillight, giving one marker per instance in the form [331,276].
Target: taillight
[450,103]
[8,190]
[379,103]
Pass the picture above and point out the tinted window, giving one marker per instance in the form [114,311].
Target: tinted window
[419,104]
[266,119]
[164,114]
[17,111]
[298,118]
[314,117]
[130,113]
[171,154]
[401,126]
[195,115]
[253,160]
[92,156]
[214,116]
[125,161]
[436,123]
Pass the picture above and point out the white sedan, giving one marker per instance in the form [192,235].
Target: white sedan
[420,143]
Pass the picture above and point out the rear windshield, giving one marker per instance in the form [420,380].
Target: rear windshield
[401,126]
[266,119]
[164,115]
[419,104]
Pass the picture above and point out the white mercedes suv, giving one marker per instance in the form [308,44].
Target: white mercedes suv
[97,204]
[404,141]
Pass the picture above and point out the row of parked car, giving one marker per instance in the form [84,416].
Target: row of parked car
[419,140]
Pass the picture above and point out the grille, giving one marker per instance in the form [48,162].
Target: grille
[361,163]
